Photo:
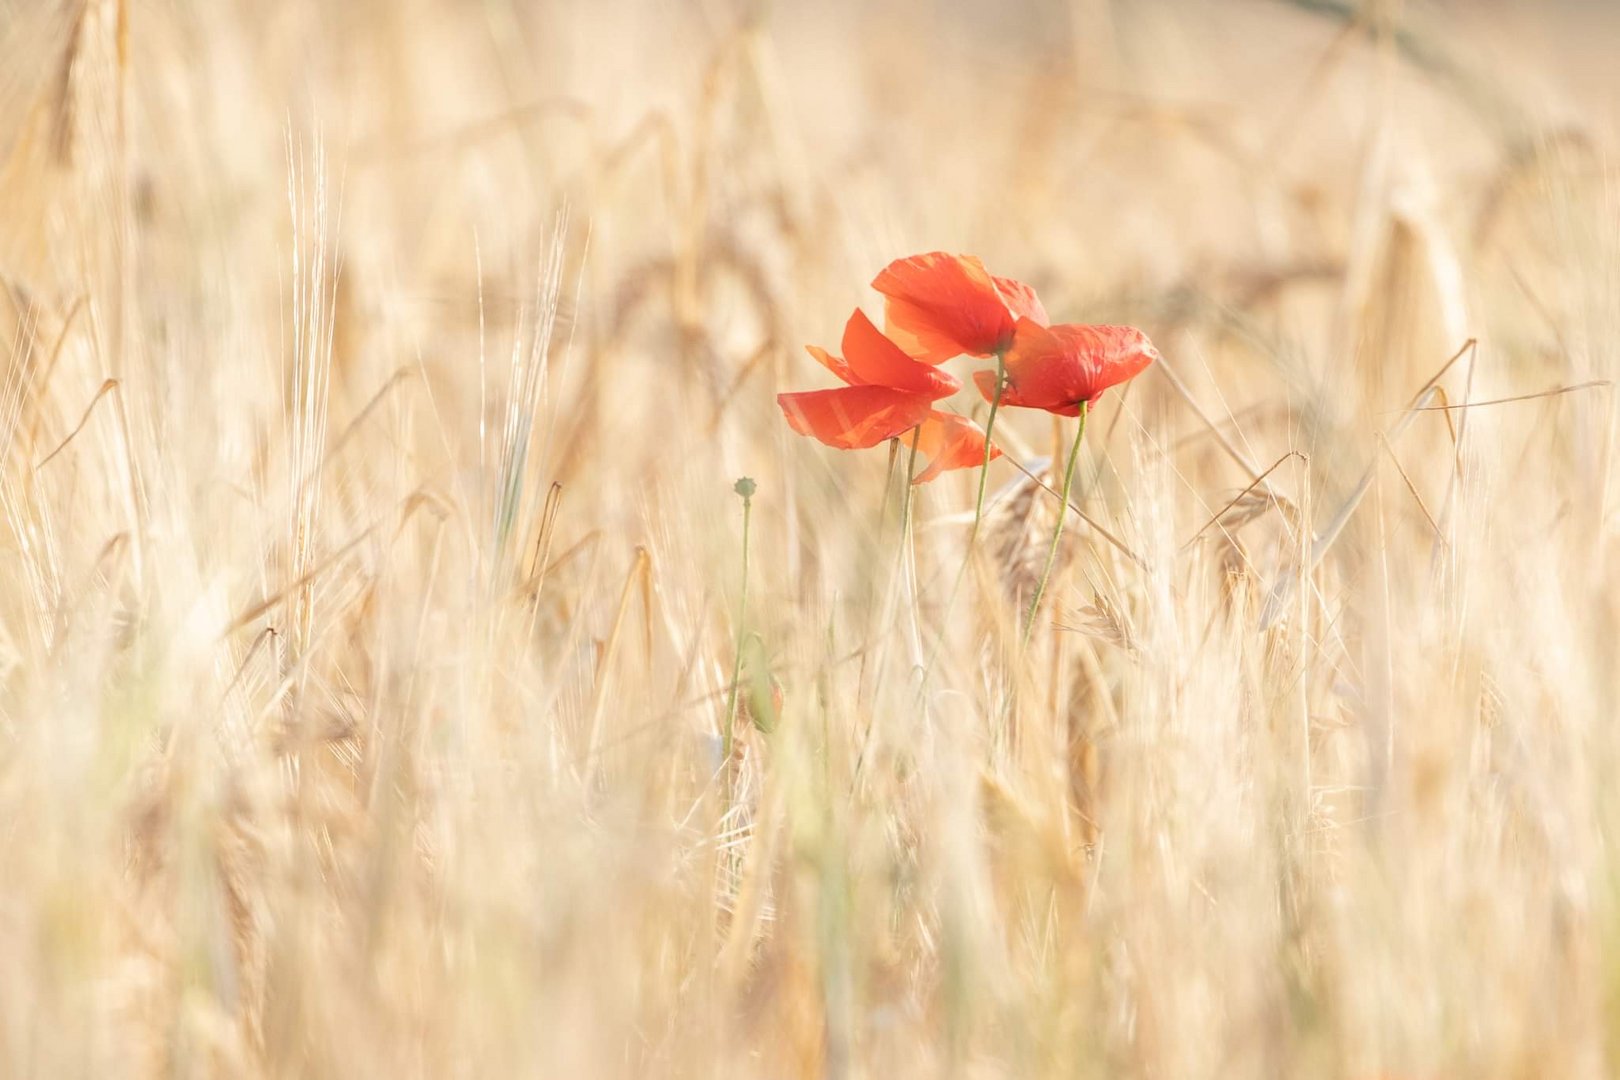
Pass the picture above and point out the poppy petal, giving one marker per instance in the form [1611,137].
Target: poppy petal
[1057,368]
[1046,368]
[853,417]
[1012,398]
[874,360]
[834,364]
[951,442]
[940,305]
[1119,352]
[1021,300]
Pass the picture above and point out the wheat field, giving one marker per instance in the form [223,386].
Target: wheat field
[392,683]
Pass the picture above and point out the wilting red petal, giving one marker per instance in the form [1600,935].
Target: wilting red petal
[939,306]
[1059,367]
[853,417]
[1021,300]
[950,442]
[874,360]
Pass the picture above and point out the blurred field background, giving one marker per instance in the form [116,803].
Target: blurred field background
[377,374]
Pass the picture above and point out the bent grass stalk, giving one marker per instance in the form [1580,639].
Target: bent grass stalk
[1057,531]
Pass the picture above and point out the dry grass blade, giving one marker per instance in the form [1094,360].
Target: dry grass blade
[298,586]
[42,383]
[1559,391]
[543,539]
[1118,544]
[1281,592]
[108,386]
[639,569]
[1412,488]
[1169,372]
[1245,505]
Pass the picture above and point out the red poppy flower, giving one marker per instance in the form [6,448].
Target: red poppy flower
[1059,368]
[888,394]
[938,306]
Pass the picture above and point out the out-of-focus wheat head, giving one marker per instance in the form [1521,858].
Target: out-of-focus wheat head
[376,378]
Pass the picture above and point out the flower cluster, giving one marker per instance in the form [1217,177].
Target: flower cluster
[937,307]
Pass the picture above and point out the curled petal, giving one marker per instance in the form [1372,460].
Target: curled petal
[1059,367]
[874,360]
[950,442]
[853,417]
[1021,300]
[939,306]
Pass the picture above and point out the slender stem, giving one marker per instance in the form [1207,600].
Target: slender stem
[908,551]
[911,479]
[984,466]
[978,510]
[880,606]
[895,578]
[742,637]
[888,488]
[898,574]
[1057,532]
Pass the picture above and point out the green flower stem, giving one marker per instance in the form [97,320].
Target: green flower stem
[1057,533]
